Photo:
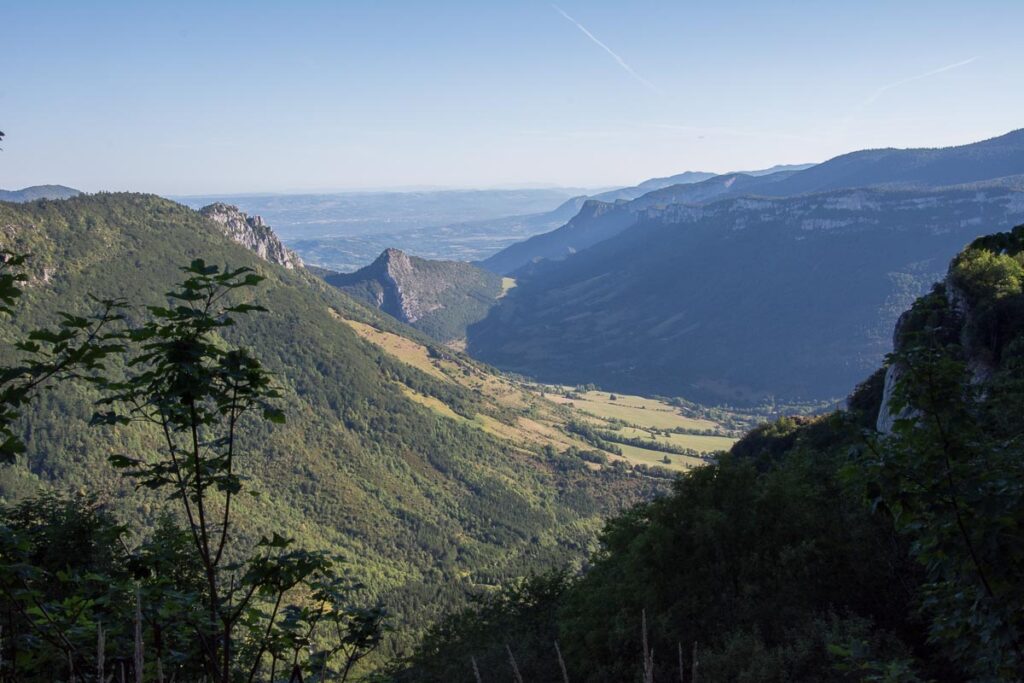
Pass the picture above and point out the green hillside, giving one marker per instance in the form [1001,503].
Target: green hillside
[423,507]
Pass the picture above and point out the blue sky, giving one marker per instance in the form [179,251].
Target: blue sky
[242,97]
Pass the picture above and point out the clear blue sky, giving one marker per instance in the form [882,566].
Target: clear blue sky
[233,97]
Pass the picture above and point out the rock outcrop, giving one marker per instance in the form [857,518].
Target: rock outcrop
[954,317]
[252,233]
[439,298]
[412,295]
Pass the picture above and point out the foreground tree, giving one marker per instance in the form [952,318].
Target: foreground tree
[196,602]
[952,473]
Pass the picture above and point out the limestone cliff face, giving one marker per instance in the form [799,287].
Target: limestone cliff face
[413,294]
[253,233]
[979,364]
[887,416]
[439,298]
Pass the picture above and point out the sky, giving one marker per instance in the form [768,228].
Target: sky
[224,97]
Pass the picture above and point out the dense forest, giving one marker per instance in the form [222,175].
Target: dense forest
[418,509]
[840,547]
[878,542]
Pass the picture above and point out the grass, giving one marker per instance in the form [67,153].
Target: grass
[507,283]
[434,404]
[536,422]
[636,410]
[529,417]
[643,456]
[698,442]
[405,350]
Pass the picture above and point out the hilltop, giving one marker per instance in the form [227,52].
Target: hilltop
[439,298]
[31,194]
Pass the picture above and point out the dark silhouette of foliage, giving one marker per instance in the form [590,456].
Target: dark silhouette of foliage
[78,345]
[819,549]
[221,611]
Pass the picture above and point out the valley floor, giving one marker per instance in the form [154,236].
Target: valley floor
[633,430]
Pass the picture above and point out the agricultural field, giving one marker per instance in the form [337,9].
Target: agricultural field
[644,456]
[533,416]
[699,442]
[634,410]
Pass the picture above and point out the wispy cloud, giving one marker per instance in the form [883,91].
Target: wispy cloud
[621,62]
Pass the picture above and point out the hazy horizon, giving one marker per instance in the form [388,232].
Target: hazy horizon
[257,98]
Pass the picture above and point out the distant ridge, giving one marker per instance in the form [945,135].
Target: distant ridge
[996,157]
[605,215]
[990,159]
[740,288]
[34,192]
[653,184]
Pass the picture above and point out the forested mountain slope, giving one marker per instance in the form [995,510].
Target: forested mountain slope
[741,298]
[379,460]
[818,549]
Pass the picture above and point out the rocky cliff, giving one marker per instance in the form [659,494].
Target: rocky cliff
[253,233]
[439,298]
[974,314]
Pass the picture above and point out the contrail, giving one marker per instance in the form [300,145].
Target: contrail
[843,124]
[607,49]
[878,93]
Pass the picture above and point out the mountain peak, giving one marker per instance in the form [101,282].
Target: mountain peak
[393,254]
[440,298]
[251,232]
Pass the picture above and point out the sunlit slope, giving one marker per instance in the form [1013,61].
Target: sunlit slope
[533,416]
[422,503]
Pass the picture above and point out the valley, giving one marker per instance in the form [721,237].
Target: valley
[585,342]
[746,288]
[452,427]
[532,416]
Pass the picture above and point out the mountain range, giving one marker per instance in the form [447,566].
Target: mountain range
[605,215]
[344,231]
[741,287]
